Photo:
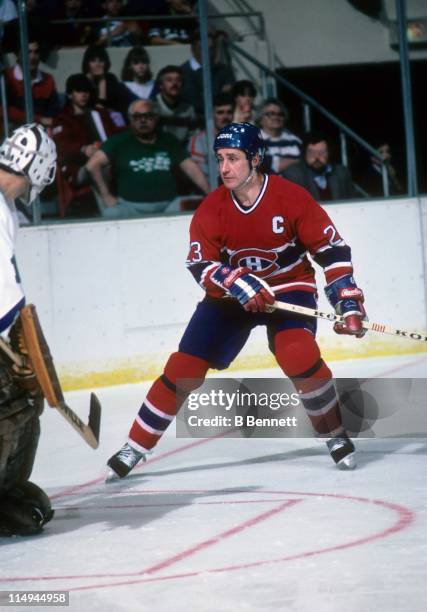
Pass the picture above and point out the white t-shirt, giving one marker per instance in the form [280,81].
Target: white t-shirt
[141,90]
[10,286]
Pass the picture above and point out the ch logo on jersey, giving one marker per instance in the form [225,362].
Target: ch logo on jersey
[259,261]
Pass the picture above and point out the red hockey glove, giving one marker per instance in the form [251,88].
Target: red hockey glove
[347,299]
[252,292]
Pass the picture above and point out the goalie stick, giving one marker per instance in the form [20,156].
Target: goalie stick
[330,316]
[89,432]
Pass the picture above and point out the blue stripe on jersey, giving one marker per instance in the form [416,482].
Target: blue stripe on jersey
[196,269]
[290,255]
[318,402]
[10,316]
[151,419]
[333,255]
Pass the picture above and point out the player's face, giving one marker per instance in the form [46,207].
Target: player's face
[233,167]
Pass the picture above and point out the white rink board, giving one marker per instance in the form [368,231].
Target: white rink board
[115,292]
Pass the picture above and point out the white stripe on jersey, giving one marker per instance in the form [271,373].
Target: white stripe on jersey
[248,210]
[287,285]
[282,270]
[205,272]
[339,264]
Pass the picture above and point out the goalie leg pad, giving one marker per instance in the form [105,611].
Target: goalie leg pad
[19,430]
[24,510]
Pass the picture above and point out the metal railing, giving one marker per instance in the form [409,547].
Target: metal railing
[257,23]
[310,103]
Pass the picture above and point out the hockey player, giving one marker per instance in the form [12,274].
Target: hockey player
[27,165]
[248,245]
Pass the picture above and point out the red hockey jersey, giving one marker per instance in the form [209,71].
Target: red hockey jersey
[271,238]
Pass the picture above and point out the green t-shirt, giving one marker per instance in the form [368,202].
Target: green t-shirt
[142,172]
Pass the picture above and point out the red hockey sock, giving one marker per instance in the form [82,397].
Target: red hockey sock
[298,355]
[181,375]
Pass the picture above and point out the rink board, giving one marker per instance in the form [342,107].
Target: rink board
[114,296]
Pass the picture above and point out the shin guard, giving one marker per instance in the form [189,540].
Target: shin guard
[165,398]
[298,355]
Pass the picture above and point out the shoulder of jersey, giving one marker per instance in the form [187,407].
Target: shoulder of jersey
[216,198]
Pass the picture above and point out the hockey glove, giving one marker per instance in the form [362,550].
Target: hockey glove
[252,292]
[347,299]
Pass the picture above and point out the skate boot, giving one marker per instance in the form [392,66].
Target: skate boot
[122,462]
[342,451]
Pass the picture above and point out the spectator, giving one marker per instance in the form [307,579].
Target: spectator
[141,159]
[114,33]
[136,73]
[43,88]
[244,94]
[372,181]
[323,180]
[7,13]
[282,147]
[176,116]
[221,74]
[107,91]
[72,34]
[172,31]
[79,131]
[222,115]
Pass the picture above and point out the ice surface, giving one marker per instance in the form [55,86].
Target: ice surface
[228,524]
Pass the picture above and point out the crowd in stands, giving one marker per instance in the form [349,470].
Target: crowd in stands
[120,137]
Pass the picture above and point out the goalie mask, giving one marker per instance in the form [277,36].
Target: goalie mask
[30,152]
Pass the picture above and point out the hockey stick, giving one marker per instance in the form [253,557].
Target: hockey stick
[330,316]
[89,432]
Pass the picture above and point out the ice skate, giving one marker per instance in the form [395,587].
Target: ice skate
[342,451]
[122,462]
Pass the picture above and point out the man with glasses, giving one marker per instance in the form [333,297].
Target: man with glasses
[282,147]
[322,179]
[142,160]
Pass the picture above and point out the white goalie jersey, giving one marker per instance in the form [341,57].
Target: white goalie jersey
[11,292]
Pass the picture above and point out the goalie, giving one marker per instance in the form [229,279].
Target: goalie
[27,165]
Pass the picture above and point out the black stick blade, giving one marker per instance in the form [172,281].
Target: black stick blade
[95,416]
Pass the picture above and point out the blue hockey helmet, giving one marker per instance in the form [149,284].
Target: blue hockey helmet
[243,136]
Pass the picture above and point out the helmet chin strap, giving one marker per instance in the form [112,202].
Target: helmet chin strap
[248,178]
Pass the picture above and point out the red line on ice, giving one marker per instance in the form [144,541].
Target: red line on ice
[405,518]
